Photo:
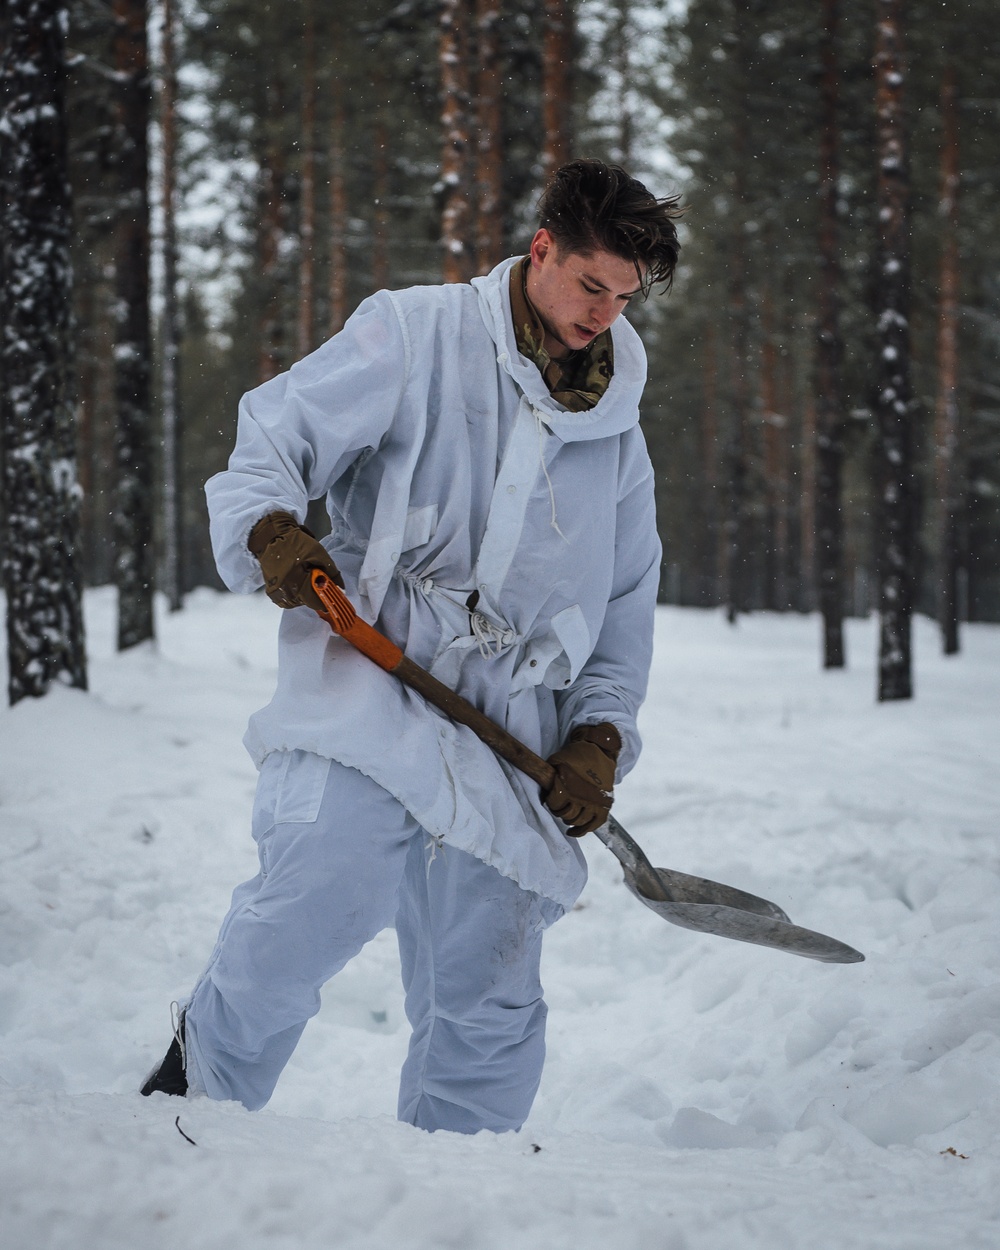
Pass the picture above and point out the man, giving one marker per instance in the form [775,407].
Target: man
[492,509]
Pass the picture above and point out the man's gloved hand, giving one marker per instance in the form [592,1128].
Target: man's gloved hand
[585,778]
[288,553]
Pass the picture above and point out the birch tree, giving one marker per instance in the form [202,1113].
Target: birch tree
[40,493]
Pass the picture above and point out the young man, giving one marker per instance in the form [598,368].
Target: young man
[492,509]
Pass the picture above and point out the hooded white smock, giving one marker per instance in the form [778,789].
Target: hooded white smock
[448,469]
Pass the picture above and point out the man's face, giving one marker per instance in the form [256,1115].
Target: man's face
[577,295]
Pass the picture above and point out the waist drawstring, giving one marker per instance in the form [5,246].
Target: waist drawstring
[490,637]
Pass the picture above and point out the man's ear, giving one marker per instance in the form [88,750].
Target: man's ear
[542,245]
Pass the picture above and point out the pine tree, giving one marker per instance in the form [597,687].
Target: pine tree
[134,493]
[40,492]
[489,139]
[173,509]
[737,523]
[830,422]
[456,224]
[557,83]
[946,444]
[307,226]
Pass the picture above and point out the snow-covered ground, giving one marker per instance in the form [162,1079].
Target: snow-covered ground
[699,1093]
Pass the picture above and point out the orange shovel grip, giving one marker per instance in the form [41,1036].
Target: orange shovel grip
[343,620]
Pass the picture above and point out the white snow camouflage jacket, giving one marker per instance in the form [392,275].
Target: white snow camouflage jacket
[448,468]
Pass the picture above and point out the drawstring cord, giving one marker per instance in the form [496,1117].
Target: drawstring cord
[542,432]
[177,1023]
[490,637]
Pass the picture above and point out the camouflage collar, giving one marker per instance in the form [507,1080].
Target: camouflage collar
[579,381]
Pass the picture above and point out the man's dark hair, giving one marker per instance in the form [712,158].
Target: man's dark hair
[589,206]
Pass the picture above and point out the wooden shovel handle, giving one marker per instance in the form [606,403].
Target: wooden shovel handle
[343,620]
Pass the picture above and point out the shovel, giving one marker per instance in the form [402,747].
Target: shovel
[691,902]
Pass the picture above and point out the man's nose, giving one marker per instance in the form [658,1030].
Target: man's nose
[602,312]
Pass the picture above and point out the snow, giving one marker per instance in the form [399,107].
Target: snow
[699,1093]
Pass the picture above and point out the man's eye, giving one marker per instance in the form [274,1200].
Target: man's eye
[591,290]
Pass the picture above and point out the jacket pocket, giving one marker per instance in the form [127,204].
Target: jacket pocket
[420,526]
[556,658]
[300,787]
[570,628]
[382,554]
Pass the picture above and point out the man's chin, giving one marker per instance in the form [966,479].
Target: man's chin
[574,340]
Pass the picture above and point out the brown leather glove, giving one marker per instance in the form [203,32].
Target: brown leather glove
[585,778]
[288,553]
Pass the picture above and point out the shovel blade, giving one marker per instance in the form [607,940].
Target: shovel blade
[710,907]
[755,927]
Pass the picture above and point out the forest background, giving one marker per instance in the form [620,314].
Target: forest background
[242,174]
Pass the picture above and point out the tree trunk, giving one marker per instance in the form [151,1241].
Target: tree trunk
[895,544]
[173,511]
[338,209]
[775,462]
[307,218]
[40,492]
[829,355]
[806,600]
[270,235]
[489,137]
[713,556]
[736,525]
[946,416]
[622,36]
[557,84]
[380,184]
[455,224]
[133,341]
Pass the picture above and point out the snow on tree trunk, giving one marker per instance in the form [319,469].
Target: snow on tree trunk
[40,490]
[946,417]
[829,354]
[455,214]
[172,423]
[557,84]
[895,505]
[133,339]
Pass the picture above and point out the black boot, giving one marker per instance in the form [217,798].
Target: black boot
[169,1077]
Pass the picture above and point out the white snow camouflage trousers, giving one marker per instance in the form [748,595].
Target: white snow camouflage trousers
[340,860]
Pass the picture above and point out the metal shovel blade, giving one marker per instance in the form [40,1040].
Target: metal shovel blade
[709,907]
